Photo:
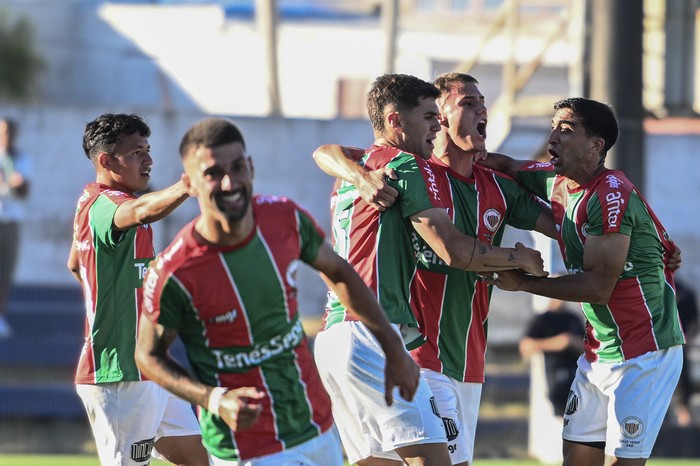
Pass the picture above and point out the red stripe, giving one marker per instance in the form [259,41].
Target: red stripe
[476,339]
[630,312]
[426,302]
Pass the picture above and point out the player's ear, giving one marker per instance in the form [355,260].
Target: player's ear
[394,121]
[188,184]
[597,144]
[104,160]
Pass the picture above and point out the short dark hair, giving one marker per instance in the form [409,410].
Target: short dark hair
[103,133]
[446,81]
[401,91]
[597,118]
[210,132]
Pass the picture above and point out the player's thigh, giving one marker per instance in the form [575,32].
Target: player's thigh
[458,405]
[178,437]
[586,411]
[351,364]
[640,399]
[124,417]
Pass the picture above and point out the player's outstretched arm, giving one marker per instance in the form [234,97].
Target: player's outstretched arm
[464,252]
[604,258]
[150,207]
[502,163]
[240,408]
[341,162]
[400,370]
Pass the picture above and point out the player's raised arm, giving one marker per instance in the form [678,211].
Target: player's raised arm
[150,207]
[503,163]
[341,162]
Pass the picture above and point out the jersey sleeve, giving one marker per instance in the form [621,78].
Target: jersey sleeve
[538,178]
[419,186]
[311,236]
[611,208]
[523,208]
[102,220]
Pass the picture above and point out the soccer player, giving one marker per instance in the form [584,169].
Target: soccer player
[616,252]
[112,246]
[383,247]
[451,305]
[227,286]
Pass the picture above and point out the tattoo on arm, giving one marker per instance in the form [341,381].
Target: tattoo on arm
[483,250]
[512,258]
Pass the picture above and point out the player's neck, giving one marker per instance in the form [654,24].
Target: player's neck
[219,231]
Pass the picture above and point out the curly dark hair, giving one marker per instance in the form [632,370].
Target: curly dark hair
[103,133]
[401,92]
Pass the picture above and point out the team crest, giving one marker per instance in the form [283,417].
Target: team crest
[492,219]
[631,427]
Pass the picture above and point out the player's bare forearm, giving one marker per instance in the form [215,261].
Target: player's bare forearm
[338,162]
[581,287]
[464,252]
[150,207]
[155,362]
[502,163]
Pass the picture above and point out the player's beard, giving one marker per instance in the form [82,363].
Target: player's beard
[237,212]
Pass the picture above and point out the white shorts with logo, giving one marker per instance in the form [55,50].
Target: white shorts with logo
[458,405]
[128,417]
[324,450]
[622,404]
[351,364]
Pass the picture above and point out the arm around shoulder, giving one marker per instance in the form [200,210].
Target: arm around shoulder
[150,207]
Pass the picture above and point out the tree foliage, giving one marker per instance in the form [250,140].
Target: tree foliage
[20,63]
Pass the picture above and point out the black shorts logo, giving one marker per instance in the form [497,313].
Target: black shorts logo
[571,403]
[141,450]
[451,430]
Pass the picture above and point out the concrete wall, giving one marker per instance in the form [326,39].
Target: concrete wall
[281,150]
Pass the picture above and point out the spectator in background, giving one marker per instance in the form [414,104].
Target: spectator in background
[558,333]
[688,312]
[15,171]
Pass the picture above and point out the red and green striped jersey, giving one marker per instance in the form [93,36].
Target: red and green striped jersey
[380,245]
[641,315]
[451,304]
[112,265]
[235,309]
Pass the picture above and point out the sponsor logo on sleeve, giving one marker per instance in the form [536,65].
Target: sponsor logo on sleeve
[571,403]
[432,183]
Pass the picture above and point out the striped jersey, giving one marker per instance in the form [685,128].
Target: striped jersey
[641,315]
[112,264]
[381,245]
[452,304]
[235,309]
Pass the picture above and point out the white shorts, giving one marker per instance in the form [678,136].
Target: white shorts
[458,404]
[351,364]
[622,404]
[324,450]
[128,417]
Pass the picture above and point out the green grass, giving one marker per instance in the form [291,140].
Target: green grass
[88,460]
